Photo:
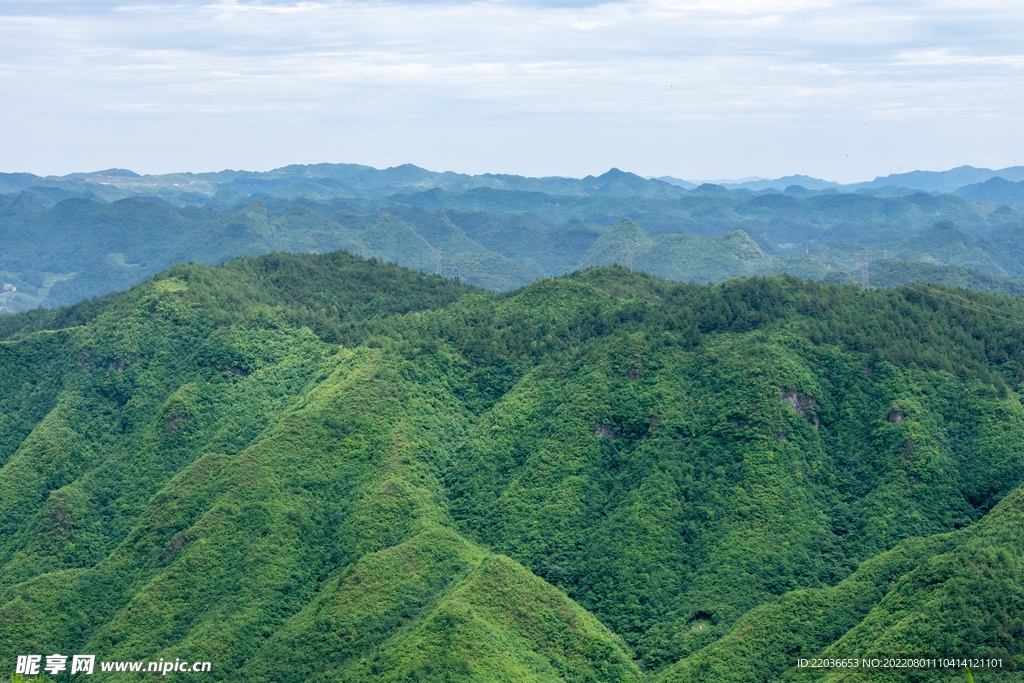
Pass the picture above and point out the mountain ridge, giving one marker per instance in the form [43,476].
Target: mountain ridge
[327,178]
[89,234]
[599,477]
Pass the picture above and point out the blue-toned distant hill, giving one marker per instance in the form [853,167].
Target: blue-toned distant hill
[86,234]
[942,181]
[678,182]
[784,182]
[996,189]
[315,182]
[323,182]
[926,181]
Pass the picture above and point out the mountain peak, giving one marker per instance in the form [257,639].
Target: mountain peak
[710,188]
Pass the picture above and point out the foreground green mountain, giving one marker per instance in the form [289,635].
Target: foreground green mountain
[326,468]
[923,599]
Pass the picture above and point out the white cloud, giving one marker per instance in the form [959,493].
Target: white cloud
[658,86]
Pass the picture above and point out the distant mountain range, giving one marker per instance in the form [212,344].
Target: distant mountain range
[315,182]
[957,181]
[85,234]
[322,182]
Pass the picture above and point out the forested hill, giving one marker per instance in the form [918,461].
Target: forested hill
[317,467]
[61,247]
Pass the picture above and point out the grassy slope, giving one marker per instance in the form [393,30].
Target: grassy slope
[444,494]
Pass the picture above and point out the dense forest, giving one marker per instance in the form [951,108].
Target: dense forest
[321,467]
[59,252]
[71,238]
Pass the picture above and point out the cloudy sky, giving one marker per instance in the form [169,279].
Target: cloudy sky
[699,89]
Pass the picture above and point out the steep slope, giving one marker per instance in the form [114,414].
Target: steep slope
[229,447]
[707,488]
[931,598]
[450,609]
[689,258]
[447,237]
[625,244]
[322,468]
[465,259]
[391,239]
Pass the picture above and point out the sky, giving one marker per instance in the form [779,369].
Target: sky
[842,90]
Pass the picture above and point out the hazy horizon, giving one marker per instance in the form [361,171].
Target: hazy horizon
[726,181]
[845,91]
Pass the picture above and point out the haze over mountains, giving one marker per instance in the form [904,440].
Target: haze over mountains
[952,181]
[317,181]
[87,234]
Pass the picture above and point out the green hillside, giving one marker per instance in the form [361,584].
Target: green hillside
[690,258]
[319,467]
[925,598]
[625,243]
